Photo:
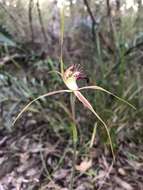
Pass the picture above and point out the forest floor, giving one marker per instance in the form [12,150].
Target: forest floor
[31,158]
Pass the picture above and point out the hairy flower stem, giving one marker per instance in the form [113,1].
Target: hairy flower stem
[73,166]
[75,138]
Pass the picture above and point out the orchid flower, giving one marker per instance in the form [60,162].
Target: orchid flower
[70,77]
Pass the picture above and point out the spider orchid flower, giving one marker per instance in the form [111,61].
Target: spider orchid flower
[74,73]
[70,77]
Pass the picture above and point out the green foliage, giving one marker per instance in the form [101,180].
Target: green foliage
[6,38]
[117,71]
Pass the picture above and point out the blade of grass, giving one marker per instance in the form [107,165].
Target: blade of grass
[57,72]
[93,136]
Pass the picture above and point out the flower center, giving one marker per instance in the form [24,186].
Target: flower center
[71,83]
[72,74]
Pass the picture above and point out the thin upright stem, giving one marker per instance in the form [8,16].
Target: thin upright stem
[74,134]
[62,40]
[73,166]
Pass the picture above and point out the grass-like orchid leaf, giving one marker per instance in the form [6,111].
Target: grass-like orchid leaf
[57,72]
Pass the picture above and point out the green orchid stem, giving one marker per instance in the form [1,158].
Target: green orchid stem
[75,138]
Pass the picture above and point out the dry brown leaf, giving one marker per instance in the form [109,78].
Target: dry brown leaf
[84,165]
[123,183]
[61,174]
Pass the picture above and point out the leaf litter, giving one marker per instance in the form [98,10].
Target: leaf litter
[22,166]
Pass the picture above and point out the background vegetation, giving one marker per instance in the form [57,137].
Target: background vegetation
[106,39]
